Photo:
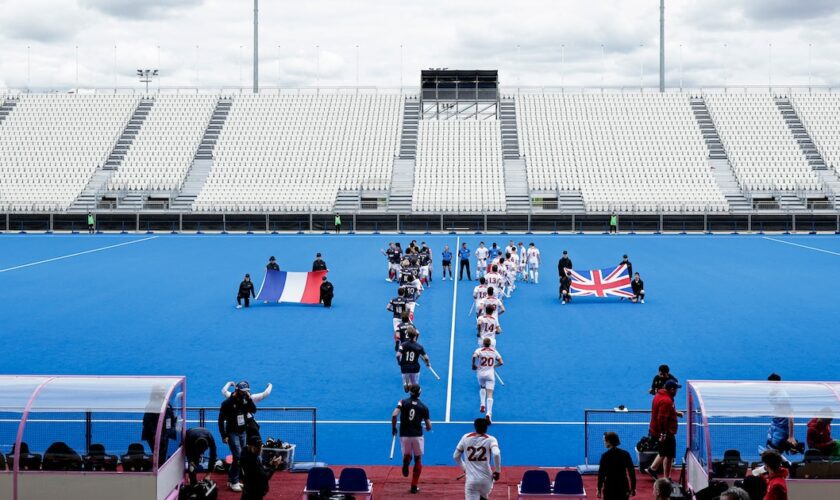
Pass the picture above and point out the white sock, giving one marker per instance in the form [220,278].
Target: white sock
[489,406]
[536,276]
[483,394]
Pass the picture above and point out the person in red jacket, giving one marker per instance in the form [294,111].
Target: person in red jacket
[663,426]
[775,477]
[819,434]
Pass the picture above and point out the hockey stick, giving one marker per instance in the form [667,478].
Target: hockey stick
[434,372]
[461,476]
[499,378]
[393,443]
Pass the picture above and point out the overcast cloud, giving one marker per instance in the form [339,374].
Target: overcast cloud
[531,42]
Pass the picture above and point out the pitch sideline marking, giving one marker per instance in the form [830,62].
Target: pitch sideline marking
[76,254]
[452,341]
[802,246]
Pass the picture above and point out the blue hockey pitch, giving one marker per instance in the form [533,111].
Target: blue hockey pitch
[718,307]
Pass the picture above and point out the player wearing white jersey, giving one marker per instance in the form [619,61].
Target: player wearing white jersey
[523,261]
[508,269]
[479,293]
[485,360]
[534,260]
[493,300]
[473,454]
[493,278]
[481,254]
[487,326]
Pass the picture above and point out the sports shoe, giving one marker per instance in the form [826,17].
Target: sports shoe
[643,301]
[481,410]
[388,280]
[238,306]
[489,419]
[237,487]
[563,302]
[652,473]
[405,470]
[414,490]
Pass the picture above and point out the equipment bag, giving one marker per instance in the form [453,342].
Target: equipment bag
[202,490]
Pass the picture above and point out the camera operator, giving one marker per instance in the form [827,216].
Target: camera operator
[236,416]
[256,473]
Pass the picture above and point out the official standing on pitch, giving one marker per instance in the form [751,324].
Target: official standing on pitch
[90,222]
[318,264]
[564,264]
[198,441]
[326,293]
[246,291]
[464,258]
[413,413]
[337,224]
[476,448]
[616,473]
[235,416]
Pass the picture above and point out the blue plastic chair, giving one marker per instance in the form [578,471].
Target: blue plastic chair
[535,482]
[568,482]
[320,479]
[353,480]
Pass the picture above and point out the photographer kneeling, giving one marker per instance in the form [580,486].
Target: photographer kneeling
[254,471]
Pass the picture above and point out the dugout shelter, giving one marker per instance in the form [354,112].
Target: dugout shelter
[731,419]
[91,437]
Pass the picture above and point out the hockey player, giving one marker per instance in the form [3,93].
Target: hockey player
[413,289]
[523,262]
[413,414]
[491,299]
[398,306]
[487,326]
[534,260]
[481,254]
[401,334]
[476,448]
[408,357]
[493,278]
[485,360]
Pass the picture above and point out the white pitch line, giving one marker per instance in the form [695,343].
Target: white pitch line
[802,246]
[76,254]
[452,339]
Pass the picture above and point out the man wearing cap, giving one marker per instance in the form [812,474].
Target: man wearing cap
[236,414]
[319,264]
[412,413]
[272,264]
[663,426]
[246,291]
[257,474]
[326,292]
[198,441]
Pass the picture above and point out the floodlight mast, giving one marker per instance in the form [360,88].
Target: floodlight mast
[146,76]
[662,45]
[256,47]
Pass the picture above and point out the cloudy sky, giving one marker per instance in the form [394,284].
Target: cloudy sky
[531,42]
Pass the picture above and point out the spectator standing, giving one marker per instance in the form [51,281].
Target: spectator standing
[236,414]
[663,425]
[819,434]
[662,489]
[327,292]
[412,414]
[660,378]
[198,441]
[90,222]
[246,291]
[776,476]
[563,264]
[256,473]
[616,473]
[318,264]
[337,222]
[464,258]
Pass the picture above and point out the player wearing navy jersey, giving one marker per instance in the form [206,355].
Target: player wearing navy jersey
[425,261]
[393,255]
[413,289]
[401,334]
[398,306]
[413,414]
[476,448]
[485,360]
[409,355]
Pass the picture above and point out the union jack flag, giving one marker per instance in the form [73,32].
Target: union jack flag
[601,282]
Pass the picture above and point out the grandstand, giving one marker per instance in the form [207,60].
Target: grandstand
[737,155]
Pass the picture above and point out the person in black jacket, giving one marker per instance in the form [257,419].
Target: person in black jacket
[626,261]
[616,474]
[148,432]
[638,287]
[256,474]
[564,263]
[198,441]
[272,264]
[246,291]
[662,376]
[236,417]
[565,289]
[326,293]
[319,264]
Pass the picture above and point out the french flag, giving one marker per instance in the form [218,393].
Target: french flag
[299,288]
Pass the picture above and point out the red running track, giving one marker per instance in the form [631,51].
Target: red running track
[436,483]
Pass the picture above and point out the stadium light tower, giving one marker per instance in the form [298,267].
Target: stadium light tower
[146,76]
[662,45]
[256,48]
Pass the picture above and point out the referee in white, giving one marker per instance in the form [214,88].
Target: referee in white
[473,455]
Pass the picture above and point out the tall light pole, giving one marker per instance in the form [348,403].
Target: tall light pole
[256,48]
[357,67]
[146,76]
[77,69]
[562,64]
[642,68]
[662,45]
[28,70]
[809,65]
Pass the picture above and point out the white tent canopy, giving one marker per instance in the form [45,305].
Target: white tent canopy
[767,398]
